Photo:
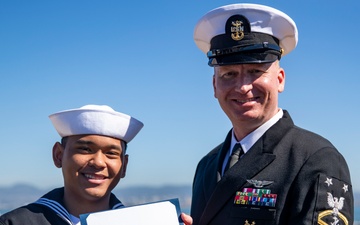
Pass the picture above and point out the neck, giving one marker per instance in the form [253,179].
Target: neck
[241,133]
[77,205]
[243,127]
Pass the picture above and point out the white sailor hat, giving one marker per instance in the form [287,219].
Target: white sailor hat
[96,119]
[245,33]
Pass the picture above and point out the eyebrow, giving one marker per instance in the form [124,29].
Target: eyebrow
[84,142]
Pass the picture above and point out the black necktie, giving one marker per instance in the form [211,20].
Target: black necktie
[237,152]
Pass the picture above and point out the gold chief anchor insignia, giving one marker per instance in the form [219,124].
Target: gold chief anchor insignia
[336,204]
[247,223]
[237,31]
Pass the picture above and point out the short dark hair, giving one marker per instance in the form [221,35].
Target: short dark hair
[63,141]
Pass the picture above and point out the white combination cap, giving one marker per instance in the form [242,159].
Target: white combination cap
[245,33]
[96,119]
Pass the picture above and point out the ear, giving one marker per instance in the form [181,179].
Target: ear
[124,165]
[214,85]
[57,154]
[281,80]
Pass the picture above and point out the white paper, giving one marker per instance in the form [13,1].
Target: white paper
[159,213]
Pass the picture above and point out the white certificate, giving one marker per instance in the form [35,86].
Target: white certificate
[157,213]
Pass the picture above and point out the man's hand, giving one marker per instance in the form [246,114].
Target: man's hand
[186,219]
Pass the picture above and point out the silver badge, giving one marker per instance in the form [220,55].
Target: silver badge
[336,203]
[260,183]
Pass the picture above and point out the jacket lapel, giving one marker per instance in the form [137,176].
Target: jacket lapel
[235,178]
[213,171]
[256,159]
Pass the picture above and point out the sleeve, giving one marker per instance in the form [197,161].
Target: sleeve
[323,190]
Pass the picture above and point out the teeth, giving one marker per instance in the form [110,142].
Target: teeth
[93,177]
[246,100]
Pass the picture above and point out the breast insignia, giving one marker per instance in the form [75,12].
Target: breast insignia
[259,183]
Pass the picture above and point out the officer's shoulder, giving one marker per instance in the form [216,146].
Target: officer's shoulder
[310,138]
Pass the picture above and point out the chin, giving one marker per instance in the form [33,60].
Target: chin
[96,193]
[247,115]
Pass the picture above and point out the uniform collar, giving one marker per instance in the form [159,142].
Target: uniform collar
[54,201]
[248,141]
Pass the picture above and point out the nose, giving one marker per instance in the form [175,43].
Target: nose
[98,160]
[243,84]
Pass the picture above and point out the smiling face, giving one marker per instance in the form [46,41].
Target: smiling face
[248,93]
[92,166]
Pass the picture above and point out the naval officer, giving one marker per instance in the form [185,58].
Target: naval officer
[267,170]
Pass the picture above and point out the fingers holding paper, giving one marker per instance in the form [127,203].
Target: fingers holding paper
[187,219]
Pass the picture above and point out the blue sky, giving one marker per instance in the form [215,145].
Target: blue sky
[139,58]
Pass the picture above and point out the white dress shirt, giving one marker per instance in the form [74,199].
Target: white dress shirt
[248,141]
